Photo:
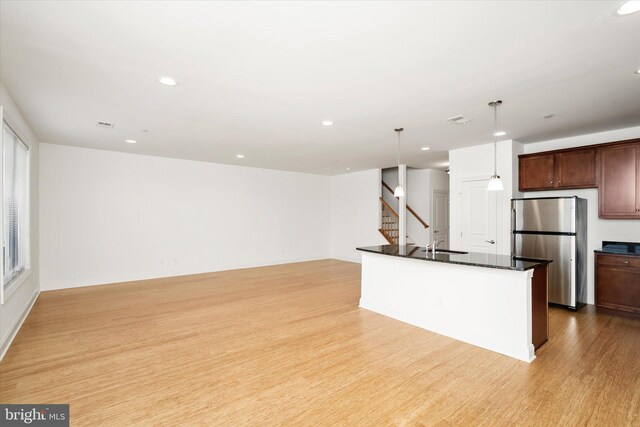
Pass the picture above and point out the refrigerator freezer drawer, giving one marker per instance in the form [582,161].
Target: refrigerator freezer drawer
[551,215]
[559,248]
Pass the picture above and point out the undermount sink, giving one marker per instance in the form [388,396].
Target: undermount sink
[446,251]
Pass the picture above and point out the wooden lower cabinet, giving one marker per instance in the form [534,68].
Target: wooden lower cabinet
[618,283]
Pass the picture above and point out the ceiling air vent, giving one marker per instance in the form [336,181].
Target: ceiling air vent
[459,120]
[103,124]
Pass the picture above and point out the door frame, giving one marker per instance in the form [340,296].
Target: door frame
[458,186]
[448,216]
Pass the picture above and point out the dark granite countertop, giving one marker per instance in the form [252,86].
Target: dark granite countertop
[476,259]
[619,248]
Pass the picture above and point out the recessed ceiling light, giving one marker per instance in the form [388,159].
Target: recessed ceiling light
[632,6]
[425,148]
[130,141]
[166,80]
[638,71]
[240,156]
[500,133]
[348,169]
[327,123]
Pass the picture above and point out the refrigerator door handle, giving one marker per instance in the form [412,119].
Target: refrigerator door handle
[513,228]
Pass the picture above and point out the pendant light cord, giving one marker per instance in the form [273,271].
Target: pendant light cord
[398,150]
[495,139]
[495,183]
[398,130]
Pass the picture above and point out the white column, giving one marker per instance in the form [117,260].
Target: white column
[402,206]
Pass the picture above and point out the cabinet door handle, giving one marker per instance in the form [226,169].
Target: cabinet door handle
[490,241]
[626,262]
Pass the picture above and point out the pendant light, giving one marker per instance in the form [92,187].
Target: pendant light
[399,192]
[495,183]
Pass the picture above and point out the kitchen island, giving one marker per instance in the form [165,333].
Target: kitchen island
[496,302]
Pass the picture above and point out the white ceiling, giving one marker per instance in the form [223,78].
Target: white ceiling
[258,78]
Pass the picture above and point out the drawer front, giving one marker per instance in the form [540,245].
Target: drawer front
[618,260]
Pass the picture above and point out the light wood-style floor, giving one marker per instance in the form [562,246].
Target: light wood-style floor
[287,345]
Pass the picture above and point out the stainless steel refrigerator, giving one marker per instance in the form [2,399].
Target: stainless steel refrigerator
[554,228]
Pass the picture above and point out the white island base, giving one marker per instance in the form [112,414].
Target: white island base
[487,307]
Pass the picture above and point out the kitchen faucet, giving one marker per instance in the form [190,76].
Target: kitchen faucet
[434,246]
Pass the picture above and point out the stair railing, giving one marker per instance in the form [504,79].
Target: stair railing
[420,220]
[390,226]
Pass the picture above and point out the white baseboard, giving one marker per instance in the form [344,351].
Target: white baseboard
[7,339]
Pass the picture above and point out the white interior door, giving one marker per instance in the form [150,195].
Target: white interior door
[440,217]
[479,217]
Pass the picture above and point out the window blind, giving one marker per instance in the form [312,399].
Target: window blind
[15,226]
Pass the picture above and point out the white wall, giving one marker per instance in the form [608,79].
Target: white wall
[111,217]
[438,180]
[417,191]
[420,186]
[390,177]
[17,303]
[580,140]
[477,162]
[598,229]
[355,213]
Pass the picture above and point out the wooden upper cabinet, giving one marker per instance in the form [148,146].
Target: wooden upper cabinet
[619,181]
[573,168]
[536,172]
[614,168]
[576,168]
